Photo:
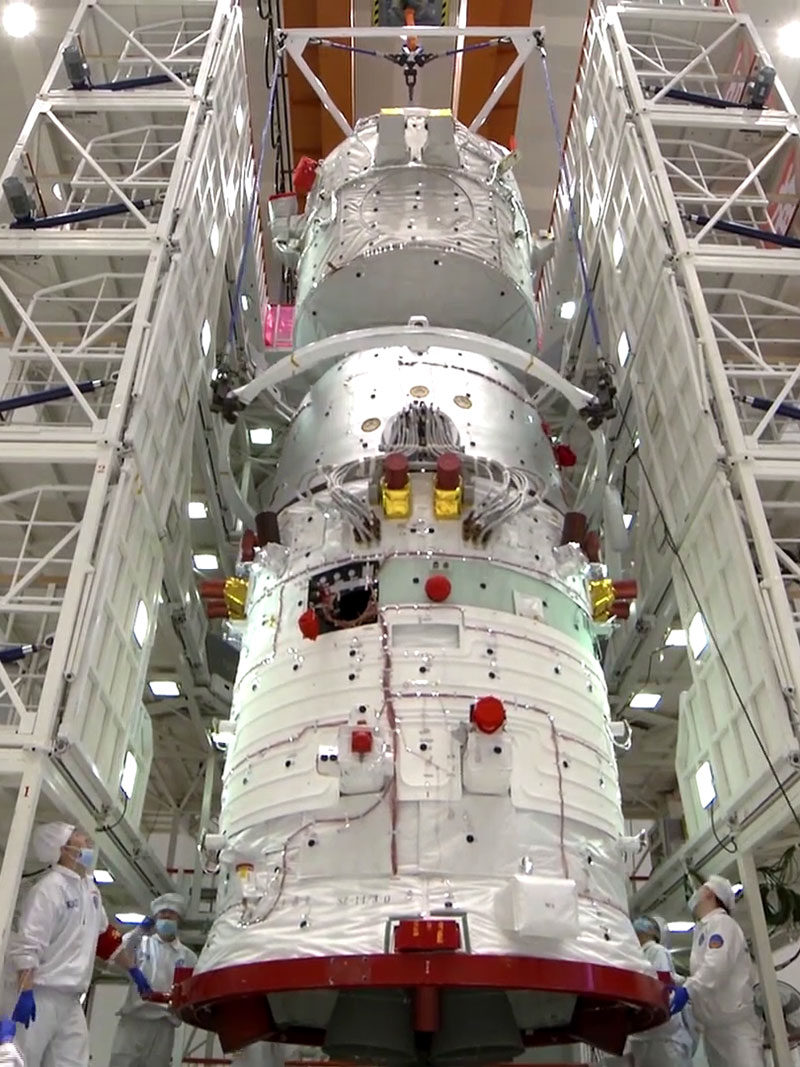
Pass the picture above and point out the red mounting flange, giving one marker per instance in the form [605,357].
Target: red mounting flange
[611,1003]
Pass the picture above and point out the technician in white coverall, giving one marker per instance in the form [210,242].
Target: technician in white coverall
[146,1032]
[720,987]
[668,1045]
[62,927]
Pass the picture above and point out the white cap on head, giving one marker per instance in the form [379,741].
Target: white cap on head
[169,902]
[48,839]
[722,890]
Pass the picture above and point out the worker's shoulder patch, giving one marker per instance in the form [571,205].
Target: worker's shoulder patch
[716,941]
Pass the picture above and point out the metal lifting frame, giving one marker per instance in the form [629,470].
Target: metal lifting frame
[698,316]
[523,39]
[93,531]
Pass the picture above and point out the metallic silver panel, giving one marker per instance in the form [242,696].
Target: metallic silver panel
[345,414]
[385,242]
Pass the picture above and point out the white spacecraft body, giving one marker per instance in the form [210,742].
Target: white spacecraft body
[422,729]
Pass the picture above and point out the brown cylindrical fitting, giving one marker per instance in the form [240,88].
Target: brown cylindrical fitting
[626,589]
[592,546]
[448,472]
[267,529]
[212,588]
[395,471]
[216,609]
[247,548]
[574,528]
[621,610]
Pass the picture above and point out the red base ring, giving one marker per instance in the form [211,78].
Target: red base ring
[611,1003]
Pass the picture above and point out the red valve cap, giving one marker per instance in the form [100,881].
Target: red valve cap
[309,625]
[488,715]
[438,588]
[361,742]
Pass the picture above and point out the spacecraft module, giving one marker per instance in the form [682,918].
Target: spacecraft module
[421,814]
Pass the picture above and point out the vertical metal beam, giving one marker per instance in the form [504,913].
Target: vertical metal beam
[16,846]
[205,815]
[781,1053]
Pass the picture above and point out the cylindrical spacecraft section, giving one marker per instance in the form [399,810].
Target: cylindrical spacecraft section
[421,822]
[416,215]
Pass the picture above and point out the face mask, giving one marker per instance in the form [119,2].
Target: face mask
[85,856]
[166,927]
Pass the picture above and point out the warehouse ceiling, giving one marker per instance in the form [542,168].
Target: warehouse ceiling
[362,86]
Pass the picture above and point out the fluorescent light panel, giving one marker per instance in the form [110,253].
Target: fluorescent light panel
[262,435]
[674,928]
[129,918]
[206,561]
[164,687]
[198,509]
[103,877]
[645,700]
[568,309]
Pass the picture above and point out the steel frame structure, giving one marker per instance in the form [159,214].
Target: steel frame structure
[693,317]
[296,40]
[94,533]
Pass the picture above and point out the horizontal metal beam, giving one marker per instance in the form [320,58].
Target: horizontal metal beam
[511,33]
[119,242]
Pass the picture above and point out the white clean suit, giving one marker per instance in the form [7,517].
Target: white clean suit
[146,1031]
[721,992]
[60,922]
[668,1045]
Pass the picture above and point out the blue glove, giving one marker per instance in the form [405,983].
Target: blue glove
[140,982]
[678,999]
[25,1011]
[8,1031]
[147,924]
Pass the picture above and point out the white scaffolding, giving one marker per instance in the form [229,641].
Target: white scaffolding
[669,172]
[94,483]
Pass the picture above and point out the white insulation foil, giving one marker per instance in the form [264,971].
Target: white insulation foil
[516,833]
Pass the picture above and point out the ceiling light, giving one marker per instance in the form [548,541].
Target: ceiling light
[623,349]
[677,639]
[617,247]
[58,190]
[213,238]
[591,130]
[141,621]
[245,301]
[628,521]
[129,918]
[737,889]
[568,309]
[674,928]
[19,20]
[206,561]
[198,509]
[127,780]
[205,337]
[261,435]
[789,40]
[698,636]
[704,780]
[223,735]
[164,687]
[103,877]
[238,118]
[645,700]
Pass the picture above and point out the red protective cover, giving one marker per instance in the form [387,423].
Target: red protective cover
[426,935]
[108,942]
